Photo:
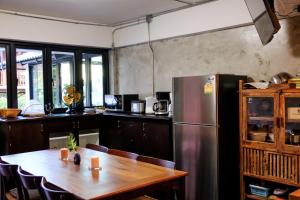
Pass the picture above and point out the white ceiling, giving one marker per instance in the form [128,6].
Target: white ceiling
[104,12]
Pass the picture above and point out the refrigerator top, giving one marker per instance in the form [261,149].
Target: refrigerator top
[195,99]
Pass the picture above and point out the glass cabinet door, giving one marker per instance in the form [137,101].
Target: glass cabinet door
[260,119]
[291,121]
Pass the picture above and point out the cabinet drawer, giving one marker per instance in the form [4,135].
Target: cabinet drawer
[88,122]
[282,166]
[272,165]
[59,126]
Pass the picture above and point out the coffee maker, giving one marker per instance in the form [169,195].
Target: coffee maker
[161,107]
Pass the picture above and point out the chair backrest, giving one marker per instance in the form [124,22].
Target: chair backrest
[30,182]
[157,161]
[95,147]
[53,192]
[121,153]
[10,178]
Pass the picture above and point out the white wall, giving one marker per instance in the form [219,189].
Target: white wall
[40,30]
[210,16]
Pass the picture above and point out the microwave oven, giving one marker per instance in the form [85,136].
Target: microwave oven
[118,102]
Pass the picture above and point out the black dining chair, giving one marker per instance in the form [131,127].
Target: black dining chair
[164,194]
[96,147]
[31,185]
[124,154]
[11,187]
[156,161]
[52,192]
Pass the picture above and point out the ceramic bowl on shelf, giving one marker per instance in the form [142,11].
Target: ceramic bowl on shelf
[9,112]
[258,135]
[271,137]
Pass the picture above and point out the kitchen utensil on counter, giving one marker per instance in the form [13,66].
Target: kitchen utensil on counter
[149,104]
[258,135]
[281,77]
[9,112]
[138,106]
[294,137]
[161,107]
[163,96]
[119,103]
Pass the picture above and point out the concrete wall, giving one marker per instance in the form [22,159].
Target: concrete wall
[234,51]
[41,30]
[209,16]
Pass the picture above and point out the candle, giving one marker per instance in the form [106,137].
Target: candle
[64,153]
[95,162]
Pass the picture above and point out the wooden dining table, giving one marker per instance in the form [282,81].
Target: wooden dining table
[117,178]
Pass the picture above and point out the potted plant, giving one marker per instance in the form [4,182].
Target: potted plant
[72,146]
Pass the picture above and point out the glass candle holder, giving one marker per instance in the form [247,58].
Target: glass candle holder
[95,162]
[64,154]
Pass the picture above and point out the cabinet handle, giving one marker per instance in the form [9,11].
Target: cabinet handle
[118,123]
[281,122]
[143,126]
[9,128]
[42,127]
[277,122]
[78,124]
[74,125]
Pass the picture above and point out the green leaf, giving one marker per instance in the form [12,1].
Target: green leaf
[71,142]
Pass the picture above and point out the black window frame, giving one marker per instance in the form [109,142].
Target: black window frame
[47,48]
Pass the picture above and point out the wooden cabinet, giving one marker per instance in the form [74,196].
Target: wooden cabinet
[78,125]
[151,137]
[156,139]
[21,137]
[25,134]
[270,139]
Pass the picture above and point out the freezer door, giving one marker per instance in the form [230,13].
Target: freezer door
[195,99]
[195,151]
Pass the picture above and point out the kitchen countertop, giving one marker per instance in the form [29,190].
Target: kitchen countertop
[132,115]
[65,115]
[46,117]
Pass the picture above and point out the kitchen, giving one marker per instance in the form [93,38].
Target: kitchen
[227,43]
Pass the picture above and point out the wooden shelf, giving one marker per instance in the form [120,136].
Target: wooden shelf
[275,163]
[293,120]
[273,180]
[251,196]
[261,118]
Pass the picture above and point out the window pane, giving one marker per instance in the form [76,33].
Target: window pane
[3,83]
[97,81]
[30,86]
[62,75]
[92,75]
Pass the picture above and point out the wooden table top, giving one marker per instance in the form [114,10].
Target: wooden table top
[117,175]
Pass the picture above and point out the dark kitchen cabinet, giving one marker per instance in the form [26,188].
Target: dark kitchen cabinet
[145,136]
[156,139]
[25,134]
[77,125]
[18,137]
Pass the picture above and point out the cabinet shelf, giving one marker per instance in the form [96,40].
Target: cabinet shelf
[293,120]
[276,163]
[262,118]
[252,196]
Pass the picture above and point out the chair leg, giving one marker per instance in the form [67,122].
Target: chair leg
[1,189]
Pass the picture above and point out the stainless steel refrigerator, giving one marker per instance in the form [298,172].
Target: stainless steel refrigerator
[206,135]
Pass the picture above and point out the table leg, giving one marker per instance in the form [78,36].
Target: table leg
[181,189]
